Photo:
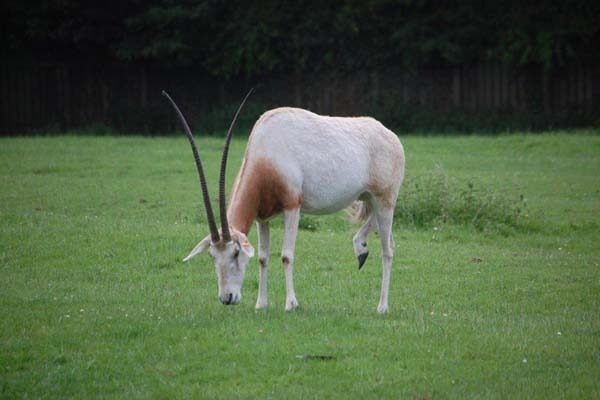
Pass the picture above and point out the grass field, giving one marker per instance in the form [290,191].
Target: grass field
[95,301]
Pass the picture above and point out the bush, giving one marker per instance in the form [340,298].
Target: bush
[434,199]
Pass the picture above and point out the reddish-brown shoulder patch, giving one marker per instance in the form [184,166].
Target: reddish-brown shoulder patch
[262,192]
[275,195]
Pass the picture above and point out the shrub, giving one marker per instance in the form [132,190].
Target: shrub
[308,223]
[434,199]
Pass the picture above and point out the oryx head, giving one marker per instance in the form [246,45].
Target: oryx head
[229,249]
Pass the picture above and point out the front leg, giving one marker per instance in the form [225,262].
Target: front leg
[291,218]
[263,259]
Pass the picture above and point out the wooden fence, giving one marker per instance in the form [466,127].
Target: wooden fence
[127,97]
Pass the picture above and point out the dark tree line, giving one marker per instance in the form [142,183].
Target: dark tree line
[414,64]
[235,38]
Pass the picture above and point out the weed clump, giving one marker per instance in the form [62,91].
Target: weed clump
[308,223]
[434,199]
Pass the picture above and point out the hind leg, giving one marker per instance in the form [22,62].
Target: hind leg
[291,218]
[360,239]
[384,217]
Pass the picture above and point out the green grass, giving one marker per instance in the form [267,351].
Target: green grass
[95,302]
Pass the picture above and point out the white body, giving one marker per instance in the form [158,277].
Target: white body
[296,161]
[330,160]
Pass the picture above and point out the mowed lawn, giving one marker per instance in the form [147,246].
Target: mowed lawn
[95,301]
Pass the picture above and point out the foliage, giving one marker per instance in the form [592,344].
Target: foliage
[548,33]
[239,38]
[434,199]
[308,223]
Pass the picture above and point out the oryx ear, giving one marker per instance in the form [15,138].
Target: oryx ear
[244,244]
[200,247]
[247,248]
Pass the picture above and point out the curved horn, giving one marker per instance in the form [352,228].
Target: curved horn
[222,202]
[214,233]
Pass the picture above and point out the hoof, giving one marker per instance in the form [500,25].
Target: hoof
[291,305]
[382,309]
[361,259]
[260,305]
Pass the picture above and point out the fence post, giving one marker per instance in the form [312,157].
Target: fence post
[456,75]
[63,72]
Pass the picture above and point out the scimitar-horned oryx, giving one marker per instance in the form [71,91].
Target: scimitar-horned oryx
[297,161]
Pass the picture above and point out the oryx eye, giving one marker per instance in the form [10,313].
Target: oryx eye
[236,253]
